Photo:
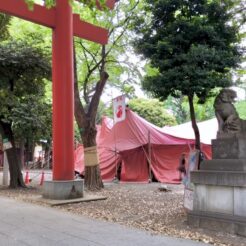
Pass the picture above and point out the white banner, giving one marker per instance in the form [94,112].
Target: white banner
[119,107]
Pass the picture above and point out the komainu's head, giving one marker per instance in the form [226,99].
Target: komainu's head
[227,95]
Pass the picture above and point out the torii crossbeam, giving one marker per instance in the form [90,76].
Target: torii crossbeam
[65,25]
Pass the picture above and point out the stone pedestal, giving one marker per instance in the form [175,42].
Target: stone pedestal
[220,188]
[62,190]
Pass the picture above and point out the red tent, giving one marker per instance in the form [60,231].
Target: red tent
[140,148]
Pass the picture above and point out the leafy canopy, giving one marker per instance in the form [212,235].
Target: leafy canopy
[192,44]
[22,70]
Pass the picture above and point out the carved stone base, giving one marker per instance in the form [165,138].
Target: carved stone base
[220,189]
[229,148]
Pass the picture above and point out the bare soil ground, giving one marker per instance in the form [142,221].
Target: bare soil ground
[142,206]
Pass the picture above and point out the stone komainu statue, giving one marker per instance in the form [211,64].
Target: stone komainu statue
[228,119]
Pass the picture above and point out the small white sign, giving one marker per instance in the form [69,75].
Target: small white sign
[119,107]
[188,199]
[6,144]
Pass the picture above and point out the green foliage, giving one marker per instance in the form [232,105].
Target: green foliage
[37,35]
[180,109]
[191,43]
[23,63]
[107,110]
[22,88]
[77,135]
[241,109]
[123,71]
[175,105]
[153,111]
[31,119]
[4,25]
[203,111]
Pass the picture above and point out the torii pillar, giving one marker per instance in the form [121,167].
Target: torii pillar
[63,185]
[63,93]
[65,25]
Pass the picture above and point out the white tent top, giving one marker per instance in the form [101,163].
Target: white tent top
[208,130]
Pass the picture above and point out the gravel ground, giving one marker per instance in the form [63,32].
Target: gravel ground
[142,206]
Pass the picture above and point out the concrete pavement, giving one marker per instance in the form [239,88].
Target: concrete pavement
[25,224]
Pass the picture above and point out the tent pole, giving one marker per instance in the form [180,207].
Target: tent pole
[149,151]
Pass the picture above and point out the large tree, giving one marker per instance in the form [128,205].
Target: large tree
[193,46]
[22,69]
[93,66]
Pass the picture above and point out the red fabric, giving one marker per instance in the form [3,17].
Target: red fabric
[134,166]
[207,151]
[79,159]
[108,162]
[165,161]
[134,131]
[124,142]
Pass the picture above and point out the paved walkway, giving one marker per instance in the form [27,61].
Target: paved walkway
[28,224]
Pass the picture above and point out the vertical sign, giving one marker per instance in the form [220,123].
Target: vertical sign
[119,107]
[189,187]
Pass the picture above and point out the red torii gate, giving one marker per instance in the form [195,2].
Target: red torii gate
[65,25]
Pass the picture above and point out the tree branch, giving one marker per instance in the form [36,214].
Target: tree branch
[78,106]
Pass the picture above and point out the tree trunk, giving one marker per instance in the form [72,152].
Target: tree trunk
[16,178]
[194,124]
[93,179]
[87,127]
[22,153]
